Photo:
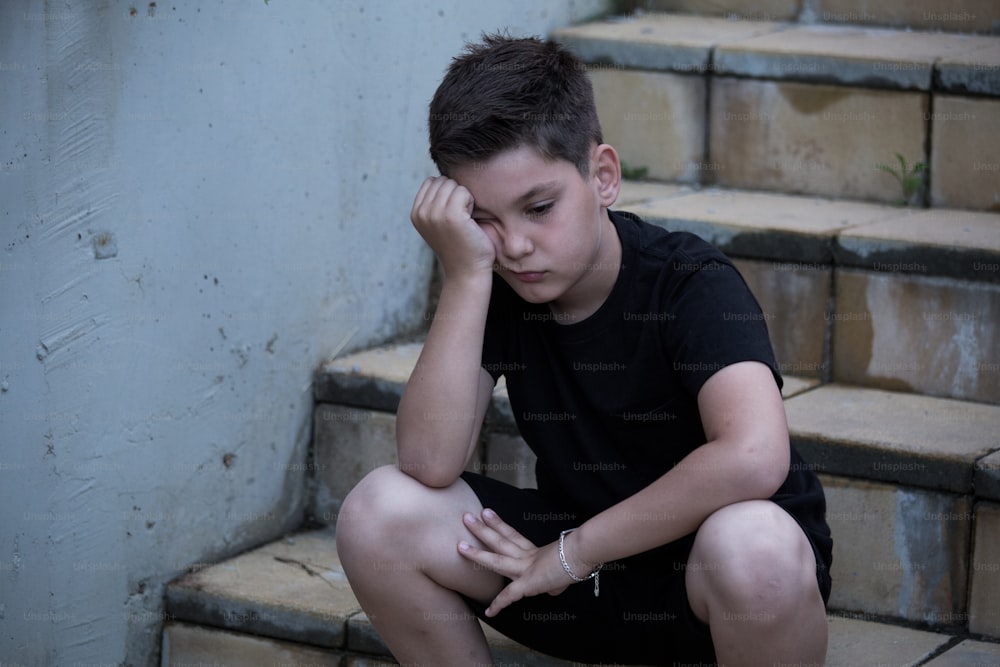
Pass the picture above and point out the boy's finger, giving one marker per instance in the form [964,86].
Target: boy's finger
[460,201]
[418,200]
[490,537]
[502,565]
[507,597]
[435,199]
[493,520]
[428,201]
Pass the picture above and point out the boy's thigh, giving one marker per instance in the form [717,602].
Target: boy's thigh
[642,615]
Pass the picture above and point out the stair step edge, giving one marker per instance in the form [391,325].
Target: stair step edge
[814,53]
[924,441]
[829,233]
[908,439]
[256,589]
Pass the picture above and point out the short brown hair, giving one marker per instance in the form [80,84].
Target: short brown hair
[504,93]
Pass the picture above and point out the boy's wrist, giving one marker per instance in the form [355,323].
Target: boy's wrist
[469,280]
[576,554]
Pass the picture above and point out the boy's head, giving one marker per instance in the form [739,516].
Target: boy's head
[505,93]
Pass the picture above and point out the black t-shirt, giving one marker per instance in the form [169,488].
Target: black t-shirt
[609,404]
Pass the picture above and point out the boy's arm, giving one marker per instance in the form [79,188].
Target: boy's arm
[746,457]
[442,408]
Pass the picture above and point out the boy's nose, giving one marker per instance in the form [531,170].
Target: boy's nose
[516,245]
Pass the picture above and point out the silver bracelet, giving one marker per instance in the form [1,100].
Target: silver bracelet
[595,573]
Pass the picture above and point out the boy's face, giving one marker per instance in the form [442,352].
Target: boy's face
[549,225]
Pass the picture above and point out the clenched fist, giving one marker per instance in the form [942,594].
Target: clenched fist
[442,214]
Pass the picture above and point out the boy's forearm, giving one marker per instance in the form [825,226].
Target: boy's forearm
[437,415]
[675,505]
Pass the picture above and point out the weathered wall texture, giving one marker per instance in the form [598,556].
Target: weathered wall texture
[199,202]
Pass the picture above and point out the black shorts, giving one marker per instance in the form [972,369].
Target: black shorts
[642,615]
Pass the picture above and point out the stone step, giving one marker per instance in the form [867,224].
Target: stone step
[354,424]
[840,54]
[957,16]
[916,529]
[811,109]
[288,602]
[913,482]
[857,292]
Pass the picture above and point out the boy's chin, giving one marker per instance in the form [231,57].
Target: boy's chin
[531,294]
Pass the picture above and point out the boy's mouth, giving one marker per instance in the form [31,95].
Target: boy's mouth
[528,276]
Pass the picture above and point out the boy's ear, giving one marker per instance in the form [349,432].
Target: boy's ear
[607,171]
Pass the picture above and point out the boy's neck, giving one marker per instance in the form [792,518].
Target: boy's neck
[592,290]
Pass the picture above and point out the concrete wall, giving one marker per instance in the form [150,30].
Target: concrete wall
[199,202]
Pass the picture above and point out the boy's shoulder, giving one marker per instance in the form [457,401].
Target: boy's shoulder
[657,248]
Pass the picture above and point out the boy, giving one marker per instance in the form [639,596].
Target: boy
[639,371]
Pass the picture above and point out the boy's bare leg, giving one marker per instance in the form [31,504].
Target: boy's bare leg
[397,540]
[752,577]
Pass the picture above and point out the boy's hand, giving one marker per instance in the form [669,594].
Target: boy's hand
[533,570]
[442,214]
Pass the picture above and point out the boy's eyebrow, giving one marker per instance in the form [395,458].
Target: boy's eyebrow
[541,188]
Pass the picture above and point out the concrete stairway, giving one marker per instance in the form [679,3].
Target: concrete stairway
[762,131]
[799,108]
[912,503]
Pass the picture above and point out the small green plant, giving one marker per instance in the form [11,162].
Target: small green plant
[634,173]
[909,178]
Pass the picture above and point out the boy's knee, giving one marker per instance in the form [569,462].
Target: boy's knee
[753,554]
[369,522]
[388,503]
[378,495]
[367,508]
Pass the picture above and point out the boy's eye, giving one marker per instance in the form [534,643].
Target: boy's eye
[541,209]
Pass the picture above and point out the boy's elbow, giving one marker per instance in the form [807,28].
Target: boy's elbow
[770,476]
[429,476]
[436,475]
